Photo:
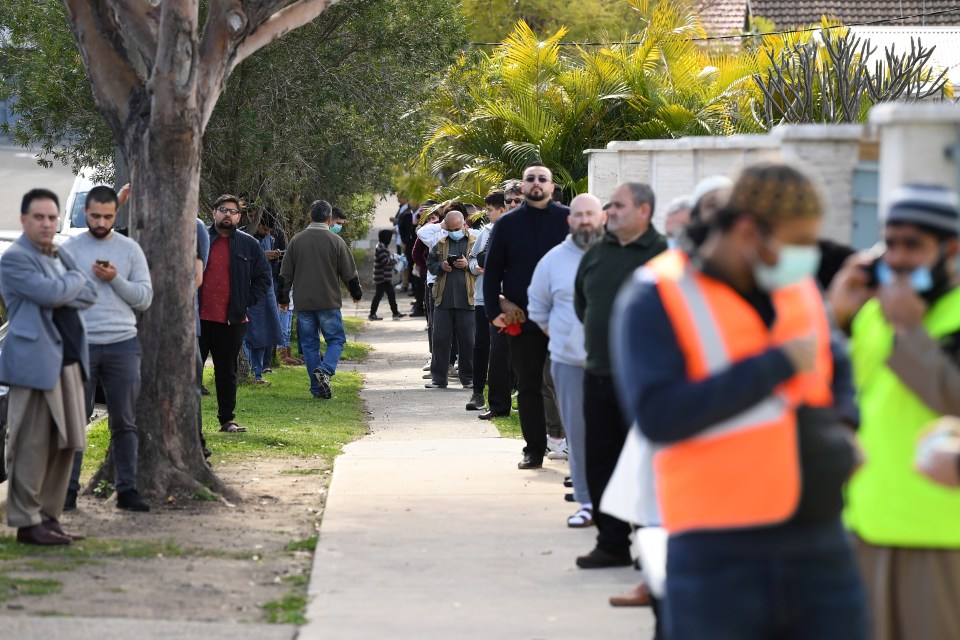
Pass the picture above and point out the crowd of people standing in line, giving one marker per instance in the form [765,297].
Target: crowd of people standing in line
[73,311]
[789,400]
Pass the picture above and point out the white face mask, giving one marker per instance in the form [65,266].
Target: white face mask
[796,263]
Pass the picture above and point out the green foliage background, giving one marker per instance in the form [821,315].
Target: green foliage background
[326,112]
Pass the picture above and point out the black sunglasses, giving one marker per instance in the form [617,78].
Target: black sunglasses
[540,179]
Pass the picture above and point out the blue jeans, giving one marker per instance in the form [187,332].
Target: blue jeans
[259,359]
[310,324]
[792,582]
[286,323]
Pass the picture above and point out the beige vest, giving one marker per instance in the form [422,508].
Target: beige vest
[443,252]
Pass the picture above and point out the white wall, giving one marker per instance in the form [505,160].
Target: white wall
[914,143]
[673,167]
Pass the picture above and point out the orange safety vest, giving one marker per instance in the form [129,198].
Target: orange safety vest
[745,471]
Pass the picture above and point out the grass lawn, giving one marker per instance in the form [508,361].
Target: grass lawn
[509,426]
[284,420]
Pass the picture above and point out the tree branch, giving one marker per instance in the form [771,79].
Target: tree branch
[141,22]
[173,81]
[278,25]
[232,34]
[113,77]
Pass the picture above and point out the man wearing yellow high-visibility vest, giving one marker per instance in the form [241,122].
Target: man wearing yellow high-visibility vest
[903,311]
[725,360]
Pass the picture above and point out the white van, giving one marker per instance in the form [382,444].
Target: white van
[74,221]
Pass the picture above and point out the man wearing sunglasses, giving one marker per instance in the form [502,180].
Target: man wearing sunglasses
[517,243]
[236,277]
[903,313]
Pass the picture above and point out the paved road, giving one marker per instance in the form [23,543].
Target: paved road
[431,532]
[20,172]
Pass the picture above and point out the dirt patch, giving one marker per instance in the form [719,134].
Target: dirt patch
[195,560]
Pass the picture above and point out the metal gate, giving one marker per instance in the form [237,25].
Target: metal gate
[866,197]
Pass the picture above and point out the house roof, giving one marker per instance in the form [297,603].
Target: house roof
[723,17]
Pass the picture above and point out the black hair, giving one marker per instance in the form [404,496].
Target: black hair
[338,214]
[495,199]
[101,194]
[267,219]
[227,198]
[385,235]
[320,211]
[456,206]
[37,194]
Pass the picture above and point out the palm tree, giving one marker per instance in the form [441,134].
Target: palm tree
[532,100]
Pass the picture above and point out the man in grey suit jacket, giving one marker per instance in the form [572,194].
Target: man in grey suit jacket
[44,361]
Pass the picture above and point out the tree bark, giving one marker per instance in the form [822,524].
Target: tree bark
[167,175]
[157,115]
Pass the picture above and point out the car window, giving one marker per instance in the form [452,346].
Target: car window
[78,217]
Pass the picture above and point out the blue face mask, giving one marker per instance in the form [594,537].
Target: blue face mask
[921,279]
[456,236]
[336,228]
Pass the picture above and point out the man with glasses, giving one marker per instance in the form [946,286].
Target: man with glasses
[236,277]
[485,333]
[517,243]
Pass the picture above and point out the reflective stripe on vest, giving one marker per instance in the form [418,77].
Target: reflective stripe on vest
[744,471]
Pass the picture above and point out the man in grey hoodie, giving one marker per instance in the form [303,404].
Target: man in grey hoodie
[550,305]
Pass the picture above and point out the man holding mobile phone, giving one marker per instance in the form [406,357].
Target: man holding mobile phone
[454,295]
[119,269]
[905,349]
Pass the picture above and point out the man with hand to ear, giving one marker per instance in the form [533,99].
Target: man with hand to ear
[903,314]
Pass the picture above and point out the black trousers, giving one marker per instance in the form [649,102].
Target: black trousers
[429,309]
[606,433]
[200,364]
[499,373]
[481,349]
[384,288]
[223,342]
[416,283]
[449,326]
[528,354]
[551,412]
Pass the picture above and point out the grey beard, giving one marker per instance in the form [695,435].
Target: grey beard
[583,238]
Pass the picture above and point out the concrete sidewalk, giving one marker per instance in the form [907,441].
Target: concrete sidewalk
[431,531]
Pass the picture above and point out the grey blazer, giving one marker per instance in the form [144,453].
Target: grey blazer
[32,355]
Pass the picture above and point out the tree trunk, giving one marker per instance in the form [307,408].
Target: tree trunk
[165,167]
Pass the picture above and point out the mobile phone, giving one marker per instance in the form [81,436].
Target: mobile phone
[452,259]
[103,263]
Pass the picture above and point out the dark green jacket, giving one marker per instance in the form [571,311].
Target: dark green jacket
[604,268]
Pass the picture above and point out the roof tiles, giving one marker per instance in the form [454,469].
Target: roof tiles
[722,17]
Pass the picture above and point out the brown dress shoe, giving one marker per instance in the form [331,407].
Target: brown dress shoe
[39,534]
[639,596]
[54,526]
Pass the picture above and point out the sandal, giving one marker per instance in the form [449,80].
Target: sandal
[581,519]
[232,427]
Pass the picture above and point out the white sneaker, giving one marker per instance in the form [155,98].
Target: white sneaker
[557,448]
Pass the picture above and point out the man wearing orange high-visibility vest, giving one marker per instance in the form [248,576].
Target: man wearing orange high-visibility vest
[725,360]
